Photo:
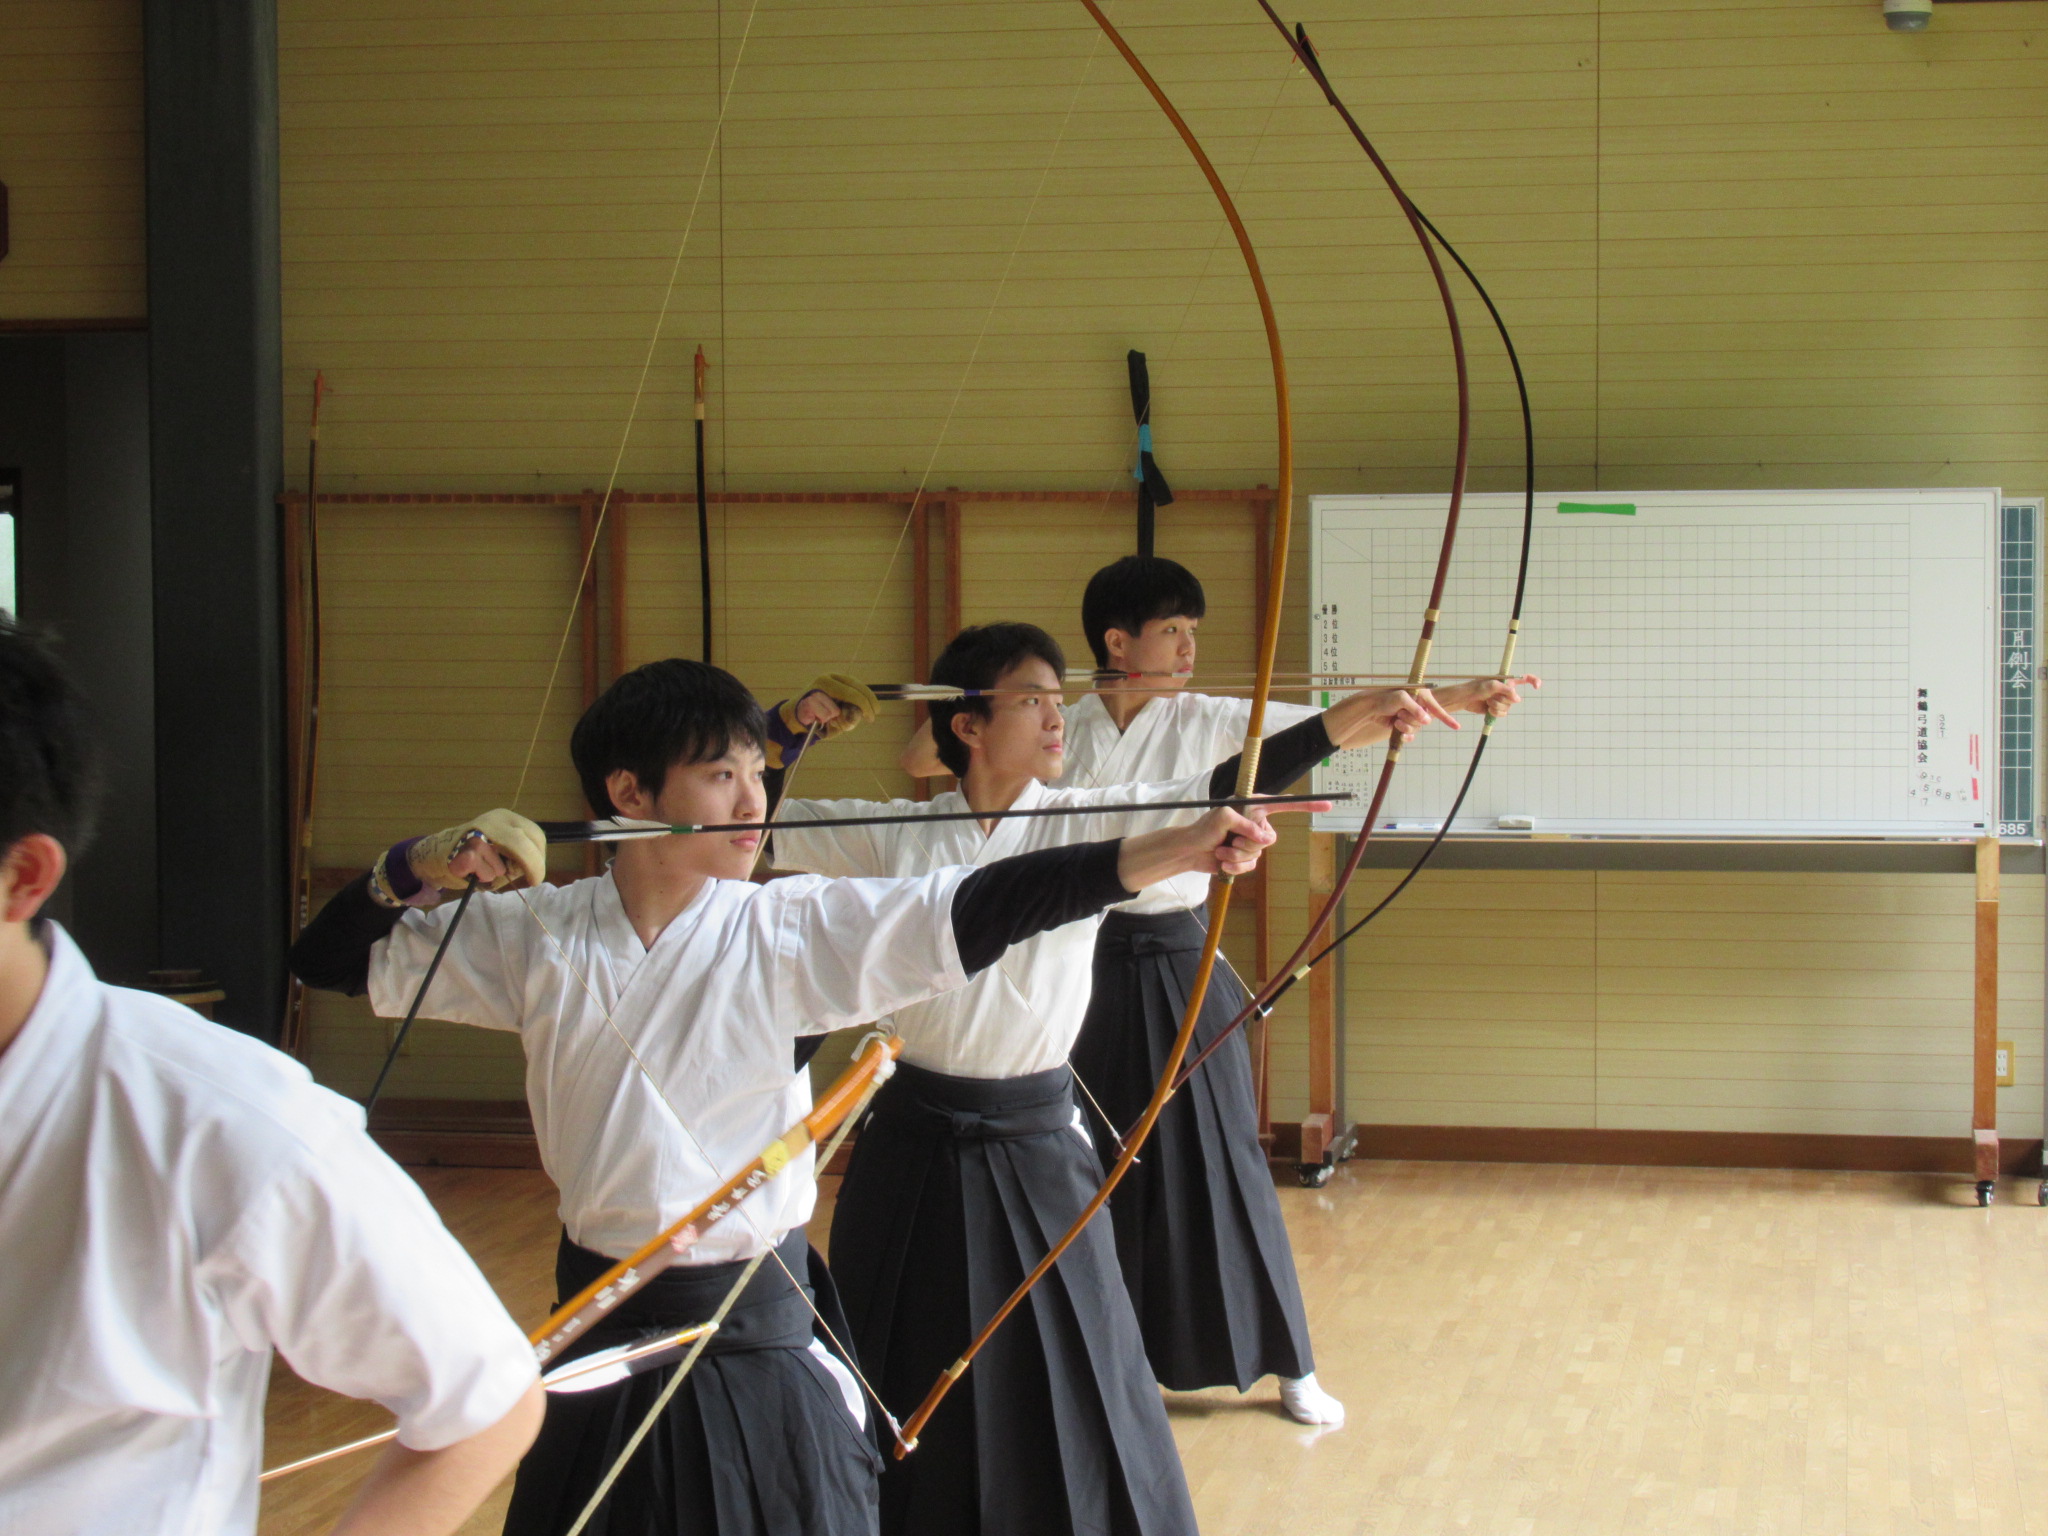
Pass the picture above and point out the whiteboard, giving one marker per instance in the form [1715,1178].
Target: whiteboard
[1716,664]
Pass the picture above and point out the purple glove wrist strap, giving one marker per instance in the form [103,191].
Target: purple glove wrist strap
[399,876]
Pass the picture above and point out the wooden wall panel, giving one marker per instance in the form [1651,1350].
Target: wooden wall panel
[799,590]
[1758,244]
[1632,1001]
[442,625]
[71,156]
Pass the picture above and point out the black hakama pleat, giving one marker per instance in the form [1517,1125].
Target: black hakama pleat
[758,1441]
[1198,1227]
[956,1188]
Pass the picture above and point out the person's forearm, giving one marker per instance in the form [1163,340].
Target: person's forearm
[332,954]
[1353,722]
[920,756]
[1011,900]
[1284,757]
[1150,857]
[431,1493]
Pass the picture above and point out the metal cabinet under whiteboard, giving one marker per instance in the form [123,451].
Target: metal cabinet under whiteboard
[1734,664]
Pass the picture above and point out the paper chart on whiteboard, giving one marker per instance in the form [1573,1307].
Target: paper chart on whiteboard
[1715,664]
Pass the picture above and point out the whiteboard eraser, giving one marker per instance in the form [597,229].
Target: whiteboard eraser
[1516,823]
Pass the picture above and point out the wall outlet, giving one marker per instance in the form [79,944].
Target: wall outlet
[2002,1058]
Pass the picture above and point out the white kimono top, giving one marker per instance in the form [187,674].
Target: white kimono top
[711,1011]
[1170,737]
[1021,1014]
[176,1201]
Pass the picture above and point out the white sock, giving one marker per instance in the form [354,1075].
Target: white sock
[1307,1403]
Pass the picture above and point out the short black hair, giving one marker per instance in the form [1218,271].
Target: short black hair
[658,717]
[1130,593]
[49,765]
[977,657]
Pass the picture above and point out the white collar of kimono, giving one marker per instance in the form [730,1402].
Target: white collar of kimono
[1008,833]
[50,1043]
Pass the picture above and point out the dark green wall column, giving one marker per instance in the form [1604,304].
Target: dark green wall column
[215,471]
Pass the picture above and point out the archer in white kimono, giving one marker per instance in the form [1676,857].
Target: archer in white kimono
[179,1201]
[975,1157]
[657,1005]
[1199,1234]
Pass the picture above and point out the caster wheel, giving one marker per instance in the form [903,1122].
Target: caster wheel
[1985,1190]
[2042,1195]
[1314,1175]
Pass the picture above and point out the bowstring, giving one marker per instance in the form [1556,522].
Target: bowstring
[683,1367]
[1194,293]
[662,1399]
[647,1073]
[554,673]
[1002,967]
[604,505]
[974,353]
[744,1212]
[1216,243]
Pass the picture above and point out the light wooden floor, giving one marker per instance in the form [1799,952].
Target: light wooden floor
[1529,1350]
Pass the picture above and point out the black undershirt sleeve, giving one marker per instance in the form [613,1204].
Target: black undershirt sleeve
[1285,757]
[333,953]
[1009,901]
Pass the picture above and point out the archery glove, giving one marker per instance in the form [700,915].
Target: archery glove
[521,841]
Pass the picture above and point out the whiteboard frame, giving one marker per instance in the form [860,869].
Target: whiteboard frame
[1350,819]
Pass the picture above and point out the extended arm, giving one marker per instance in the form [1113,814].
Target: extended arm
[431,1493]
[333,951]
[501,849]
[1374,714]
[920,756]
[832,706]
[1285,757]
[1009,901]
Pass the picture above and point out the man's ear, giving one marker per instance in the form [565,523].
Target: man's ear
[627,793]
[967,728]
[1117,642]
[31,870]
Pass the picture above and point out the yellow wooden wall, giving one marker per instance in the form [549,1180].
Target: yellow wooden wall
[71,156]
[1655,1001]
[1760,244]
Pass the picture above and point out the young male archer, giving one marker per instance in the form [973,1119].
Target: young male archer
[657,1005]
[975,1155]
[1198,1227]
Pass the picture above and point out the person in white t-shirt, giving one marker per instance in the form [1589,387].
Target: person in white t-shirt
[178,1201]
[1199,1234]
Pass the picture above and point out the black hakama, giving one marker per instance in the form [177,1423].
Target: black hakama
[1198,1227]
[956,1188]
[758,1442]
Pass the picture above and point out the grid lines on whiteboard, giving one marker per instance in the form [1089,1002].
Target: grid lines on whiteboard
[1682,657]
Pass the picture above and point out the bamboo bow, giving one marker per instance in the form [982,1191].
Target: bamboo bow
[1248,768]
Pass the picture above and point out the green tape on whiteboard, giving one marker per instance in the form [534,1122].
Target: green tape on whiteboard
[1610,508]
